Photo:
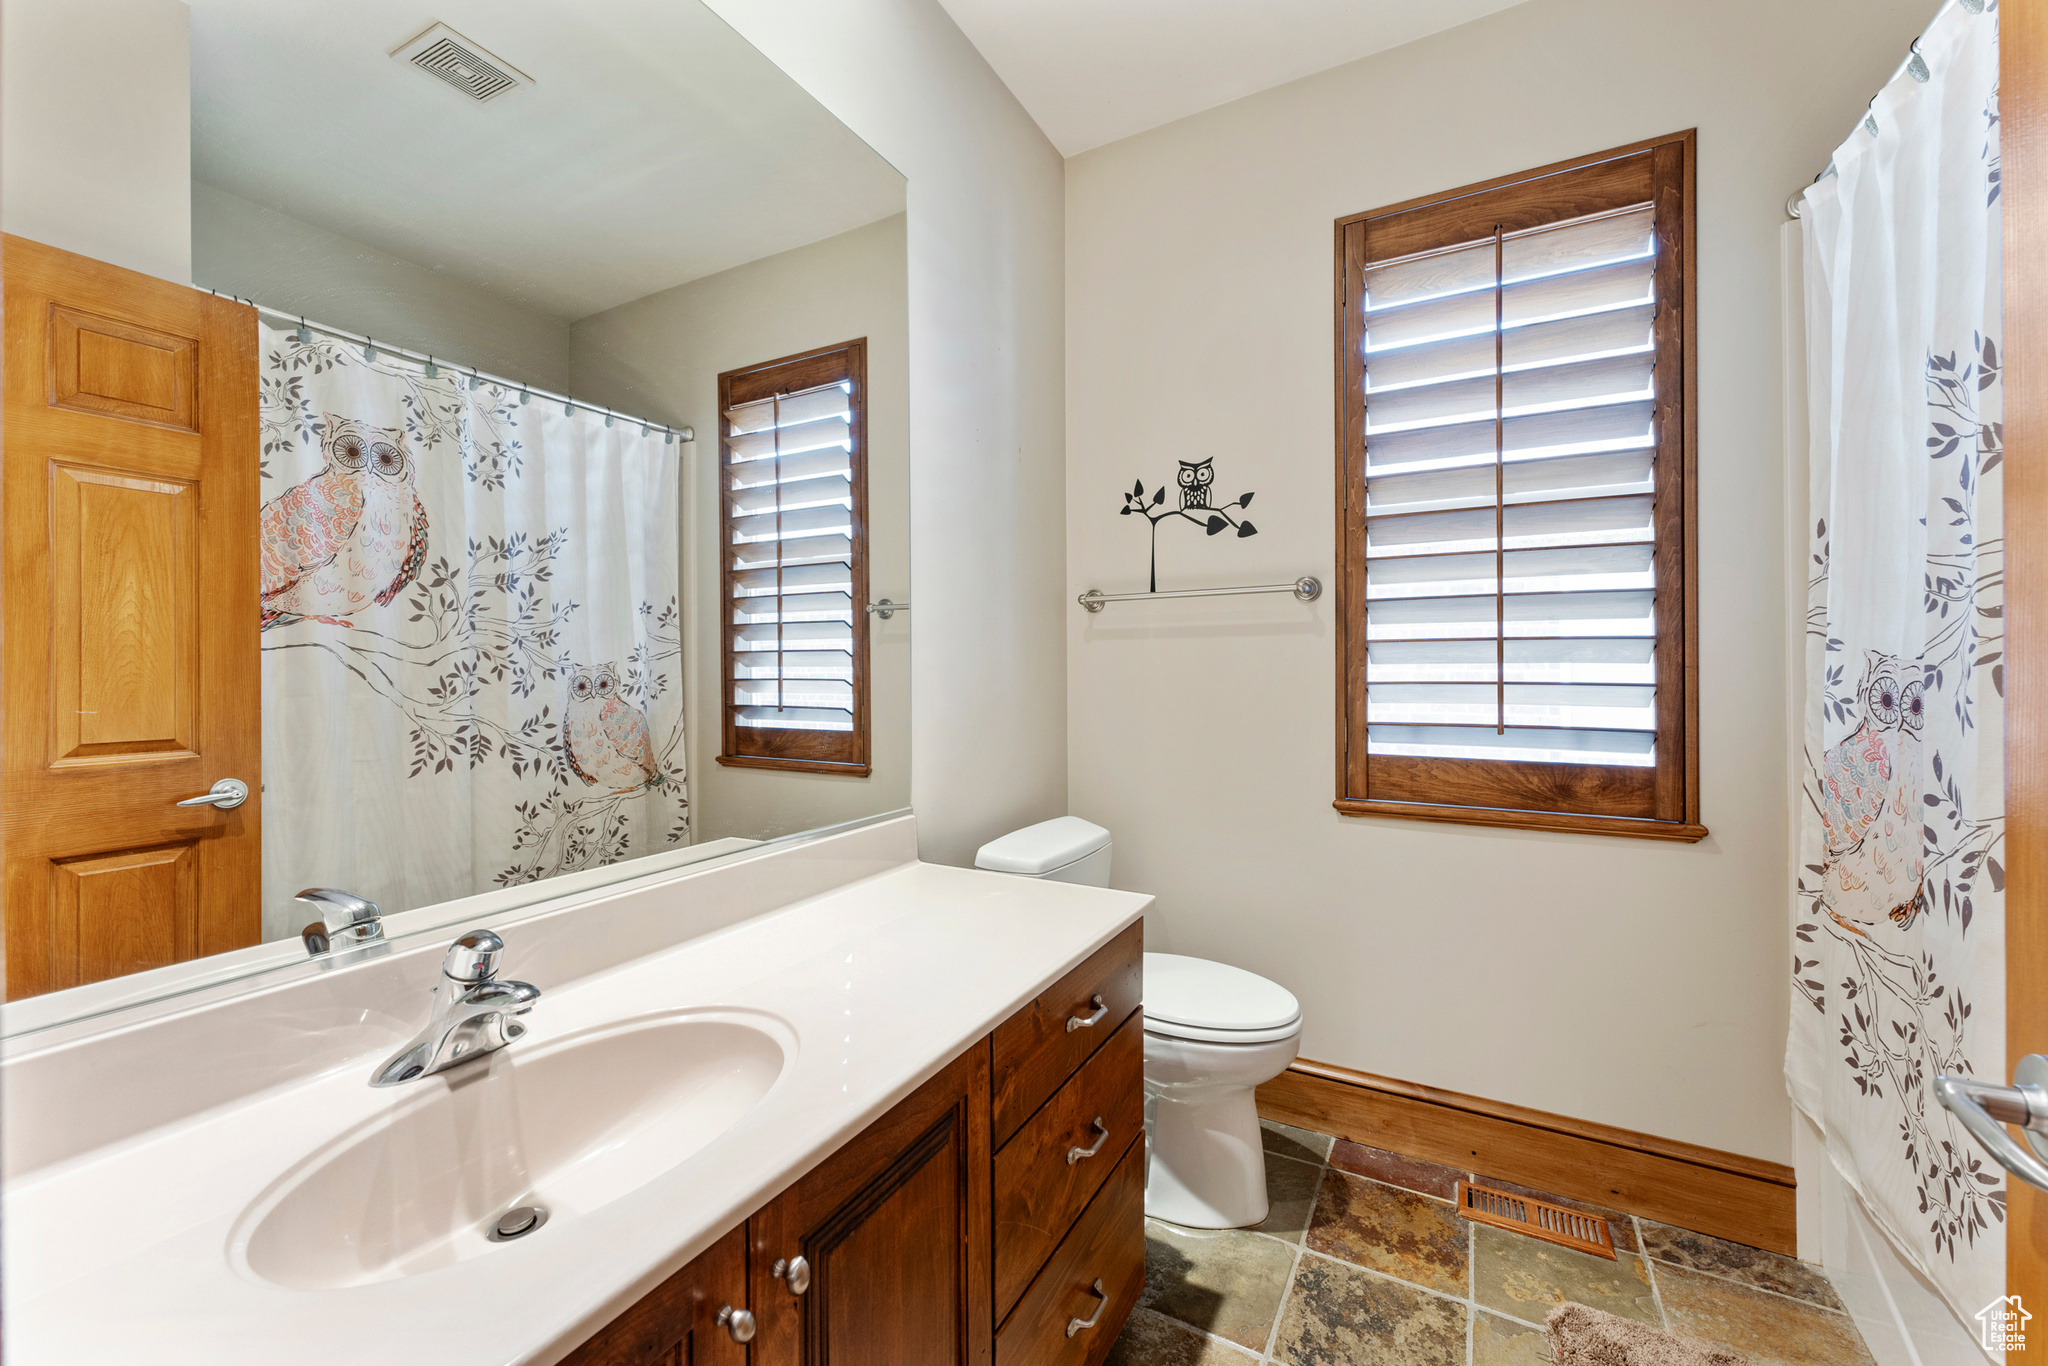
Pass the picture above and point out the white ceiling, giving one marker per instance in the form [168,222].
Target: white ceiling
[1093,71]
[655,146]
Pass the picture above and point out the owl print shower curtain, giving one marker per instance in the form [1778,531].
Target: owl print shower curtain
[471,634]
[1898,964]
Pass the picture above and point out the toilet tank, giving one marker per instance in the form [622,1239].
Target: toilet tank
[1064,849]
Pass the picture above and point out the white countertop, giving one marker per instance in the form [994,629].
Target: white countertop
[122,1254]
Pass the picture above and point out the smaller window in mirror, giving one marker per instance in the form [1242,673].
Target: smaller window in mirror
[793,548]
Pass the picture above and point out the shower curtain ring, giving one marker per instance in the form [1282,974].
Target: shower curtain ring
[432,371]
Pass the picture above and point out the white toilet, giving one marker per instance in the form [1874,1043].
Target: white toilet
[1212,1033]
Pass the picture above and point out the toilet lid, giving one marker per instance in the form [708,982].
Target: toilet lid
[1198,994]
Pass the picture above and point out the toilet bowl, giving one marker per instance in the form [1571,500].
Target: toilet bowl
[1212,1033]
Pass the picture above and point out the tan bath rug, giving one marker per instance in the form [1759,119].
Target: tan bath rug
[1584,1336]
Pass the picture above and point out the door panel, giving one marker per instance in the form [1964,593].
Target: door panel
[895,1230]
[105,365]
[123,913]
[123,613]
[129,666]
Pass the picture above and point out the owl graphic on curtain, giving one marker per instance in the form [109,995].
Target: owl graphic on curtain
[1870,803]
[353,534]
[604,736]
[1195,480]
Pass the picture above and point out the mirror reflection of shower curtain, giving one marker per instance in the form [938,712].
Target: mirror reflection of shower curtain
[1898,948]
[472,638]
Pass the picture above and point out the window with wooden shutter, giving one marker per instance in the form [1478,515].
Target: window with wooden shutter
[1516,546]
[793,515]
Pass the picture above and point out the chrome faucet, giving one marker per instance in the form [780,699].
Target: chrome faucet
[346,920]
[471,1016]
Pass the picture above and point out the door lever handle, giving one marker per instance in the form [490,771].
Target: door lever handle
[1986,1109]
[227,794]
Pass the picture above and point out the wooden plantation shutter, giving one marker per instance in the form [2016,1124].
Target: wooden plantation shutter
[1515,592]
[793,518]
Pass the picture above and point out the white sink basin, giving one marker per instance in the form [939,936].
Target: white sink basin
[570,1126]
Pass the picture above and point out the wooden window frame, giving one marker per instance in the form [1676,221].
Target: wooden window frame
[805,751]
[1663,803]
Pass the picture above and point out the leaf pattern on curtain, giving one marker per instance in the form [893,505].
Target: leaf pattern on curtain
[1898,941]
[513,711]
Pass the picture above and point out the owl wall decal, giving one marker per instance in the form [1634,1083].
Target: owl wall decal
[353,534]
[1870,803]
[604,736]
[1195,479]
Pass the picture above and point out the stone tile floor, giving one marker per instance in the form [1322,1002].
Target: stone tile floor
[1364,1262]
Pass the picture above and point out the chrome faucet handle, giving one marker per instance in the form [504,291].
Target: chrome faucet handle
[473,958]
[345,919]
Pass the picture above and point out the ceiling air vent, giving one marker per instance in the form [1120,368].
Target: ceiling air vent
[446,55]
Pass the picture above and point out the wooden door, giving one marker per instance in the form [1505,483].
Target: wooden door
[2023,131]
[676,1324]
[129,675]
[894,1228]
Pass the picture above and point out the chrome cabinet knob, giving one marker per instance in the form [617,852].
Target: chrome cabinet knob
[794,1272]
[225,795]
[738,1322]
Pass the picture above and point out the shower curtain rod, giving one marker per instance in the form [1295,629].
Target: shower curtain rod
[374,347]
[1905,64]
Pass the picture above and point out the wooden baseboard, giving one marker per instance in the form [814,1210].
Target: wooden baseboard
[1743,1199]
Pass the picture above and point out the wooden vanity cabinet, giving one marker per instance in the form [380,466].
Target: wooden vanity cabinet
[894,1233]
[926,1239]
[676,1324]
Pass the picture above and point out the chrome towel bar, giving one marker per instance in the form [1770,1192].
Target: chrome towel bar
[1307,589]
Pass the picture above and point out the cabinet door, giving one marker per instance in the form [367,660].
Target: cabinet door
[676,1323]
[894,1233]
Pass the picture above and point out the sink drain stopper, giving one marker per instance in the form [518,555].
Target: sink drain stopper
[517,1223]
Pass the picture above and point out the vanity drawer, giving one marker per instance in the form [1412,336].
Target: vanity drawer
[1036,1051]
[1037,1190]
[1107,1243]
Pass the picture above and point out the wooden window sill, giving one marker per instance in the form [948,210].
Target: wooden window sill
[1626,827]
[795,765]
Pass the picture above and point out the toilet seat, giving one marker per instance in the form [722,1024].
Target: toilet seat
[1207,1002]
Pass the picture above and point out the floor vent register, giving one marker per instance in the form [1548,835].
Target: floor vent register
[1536,1218]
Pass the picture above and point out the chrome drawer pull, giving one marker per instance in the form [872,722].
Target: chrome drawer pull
[1075,1022]
[793,1272]
[738,1322]
[1076,1325]
[1102,1136]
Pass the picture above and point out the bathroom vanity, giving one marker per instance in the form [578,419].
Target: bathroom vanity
[824,1097]
[886,1251]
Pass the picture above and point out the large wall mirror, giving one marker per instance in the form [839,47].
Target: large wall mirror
[576,466]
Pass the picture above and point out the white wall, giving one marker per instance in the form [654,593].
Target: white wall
[1625,981]
[96,129]
[248,249]
[986,402]
[660,357]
